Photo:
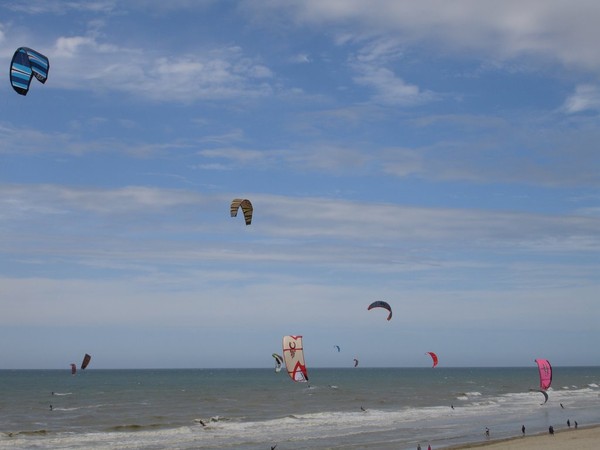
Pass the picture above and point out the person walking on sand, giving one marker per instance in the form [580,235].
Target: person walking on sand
[487,432]
[429,447]
[551,430]
[523,430]
[568,423]
[418,446]
[575,424]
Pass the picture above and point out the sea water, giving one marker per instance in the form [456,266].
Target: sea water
[376,408]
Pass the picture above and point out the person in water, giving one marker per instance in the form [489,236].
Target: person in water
[50,407]
[362,409]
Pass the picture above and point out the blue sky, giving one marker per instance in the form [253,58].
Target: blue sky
[441,156]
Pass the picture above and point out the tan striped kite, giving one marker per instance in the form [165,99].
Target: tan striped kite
[246,208]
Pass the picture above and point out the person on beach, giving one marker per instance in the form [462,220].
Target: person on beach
[429,447]
[551,430]
[575,424]
[50,407]
[523,430]
[568,423]
[487,432]
[418,446]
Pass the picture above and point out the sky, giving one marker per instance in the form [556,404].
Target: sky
[440,156]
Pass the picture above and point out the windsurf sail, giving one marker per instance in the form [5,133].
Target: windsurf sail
[380,304]
[434,358]
[73,369]
[86,361]
[545,370]
[293,355]
[246,206]
[278,361]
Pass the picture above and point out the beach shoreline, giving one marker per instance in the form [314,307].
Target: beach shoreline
[582,438]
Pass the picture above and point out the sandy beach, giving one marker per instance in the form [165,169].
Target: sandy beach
[584,438]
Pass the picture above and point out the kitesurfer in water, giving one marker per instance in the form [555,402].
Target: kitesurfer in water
[362,409]
[50,407]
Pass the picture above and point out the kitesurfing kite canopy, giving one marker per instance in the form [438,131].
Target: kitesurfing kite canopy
[542,392]
[355,362]
[86,361]
[246,208]
[338,347]
[278,361]
[545,370]
[380,304]
[434,358]
[27,63]
[293,355]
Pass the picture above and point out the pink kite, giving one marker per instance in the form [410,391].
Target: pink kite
[545,370]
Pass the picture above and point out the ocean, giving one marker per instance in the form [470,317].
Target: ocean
[358,408]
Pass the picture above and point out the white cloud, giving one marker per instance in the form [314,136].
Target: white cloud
[220,73]
[554,30]
[586,97]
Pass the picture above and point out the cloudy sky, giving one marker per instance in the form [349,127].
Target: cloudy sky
[441,156]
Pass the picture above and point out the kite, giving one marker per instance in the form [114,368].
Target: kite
[27,63]
[246,208]
[380,304]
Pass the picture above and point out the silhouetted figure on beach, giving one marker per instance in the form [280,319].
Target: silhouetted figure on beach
[418,446]
[575,424]
[523,430]
[429,447]
[50,407]
[568,423]
[551,430]
[487,432]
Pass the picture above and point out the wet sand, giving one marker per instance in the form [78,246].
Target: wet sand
[583,438]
